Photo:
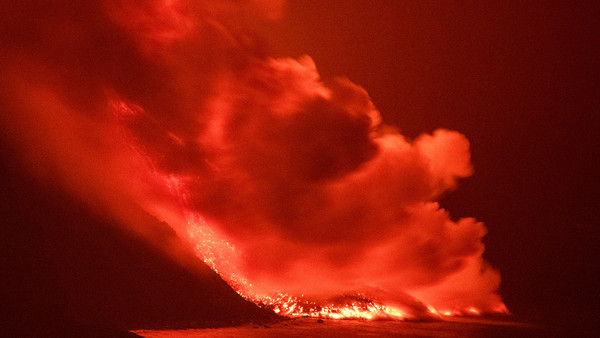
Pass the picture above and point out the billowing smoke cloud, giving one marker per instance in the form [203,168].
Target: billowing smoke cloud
[174,108]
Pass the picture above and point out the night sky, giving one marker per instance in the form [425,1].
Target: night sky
[520,81]
[156,121]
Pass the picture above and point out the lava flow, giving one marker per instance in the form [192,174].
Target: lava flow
[288,185]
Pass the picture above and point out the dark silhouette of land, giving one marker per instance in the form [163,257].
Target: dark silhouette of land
[67,269]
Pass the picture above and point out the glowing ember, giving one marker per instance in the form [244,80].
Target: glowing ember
[359,309]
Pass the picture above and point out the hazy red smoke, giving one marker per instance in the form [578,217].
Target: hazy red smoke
[175,108]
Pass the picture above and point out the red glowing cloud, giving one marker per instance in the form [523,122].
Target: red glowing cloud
[171,106]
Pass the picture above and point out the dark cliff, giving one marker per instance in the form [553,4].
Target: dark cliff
[65,264]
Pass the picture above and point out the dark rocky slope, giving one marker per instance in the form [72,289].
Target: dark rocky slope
[64,264]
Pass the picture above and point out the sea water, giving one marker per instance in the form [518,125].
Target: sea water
[312,327]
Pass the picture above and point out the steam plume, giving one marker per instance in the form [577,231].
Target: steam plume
[175,108]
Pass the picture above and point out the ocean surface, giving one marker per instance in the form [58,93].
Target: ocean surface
[311,327]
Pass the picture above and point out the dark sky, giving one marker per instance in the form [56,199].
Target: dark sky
[520,80]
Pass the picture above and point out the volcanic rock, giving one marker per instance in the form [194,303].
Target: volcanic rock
[64,264]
